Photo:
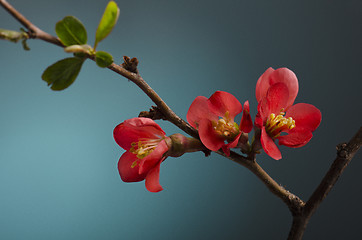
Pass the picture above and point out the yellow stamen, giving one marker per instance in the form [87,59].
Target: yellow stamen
[277,124]
[143,147]
[226,128]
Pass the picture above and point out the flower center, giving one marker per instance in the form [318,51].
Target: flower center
[277,124]
[143,148]
[226,127]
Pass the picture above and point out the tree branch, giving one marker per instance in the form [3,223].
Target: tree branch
[163,107]
[345,153]
[293,202]
[34,31]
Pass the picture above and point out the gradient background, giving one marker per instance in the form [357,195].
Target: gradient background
[58,174]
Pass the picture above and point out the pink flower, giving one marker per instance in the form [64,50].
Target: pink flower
[276,91]
[215,132]
[146,148]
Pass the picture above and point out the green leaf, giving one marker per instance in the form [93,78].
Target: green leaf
[103,59]
[62,74]
[109,19]
[71,31]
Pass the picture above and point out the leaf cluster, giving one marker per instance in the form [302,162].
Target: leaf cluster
[73,35]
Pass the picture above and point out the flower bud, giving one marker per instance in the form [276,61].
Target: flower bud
[179,144]
[79,49]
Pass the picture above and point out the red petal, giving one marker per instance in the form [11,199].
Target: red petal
[306,116]
[263,84]
[286,76]
[226,147]
[226,150]
[271,77]
[258,120]
[127,173]
[277,97]
[209,137]
[150,161]
[263,112]
[220,102]
[246,123]
[133,129]
[275,100]
[269,146]
[153,179]
[296,138]
[199,109]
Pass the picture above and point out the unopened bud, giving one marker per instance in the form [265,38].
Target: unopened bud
[79,49]
[181,144]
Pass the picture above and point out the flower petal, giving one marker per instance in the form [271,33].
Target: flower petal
[246,123]
[296,138]
[150,161]
[275,100]
[269,146]
[258,120]
[133,129]
[234,143]
[263,84]
[221,102]
[286,76]
[125,169]
[277,97]
[199,109]
[306,116]
[209,137]
[280,75]
[263,112]
[153,179]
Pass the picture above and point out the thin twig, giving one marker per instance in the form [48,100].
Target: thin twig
[34,31]
[164,108]
[293,202]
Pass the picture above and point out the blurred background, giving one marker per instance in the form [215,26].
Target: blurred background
[58,159]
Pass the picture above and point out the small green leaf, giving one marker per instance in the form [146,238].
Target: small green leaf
[103,59]
[109,19]
[71,31]
[62,74]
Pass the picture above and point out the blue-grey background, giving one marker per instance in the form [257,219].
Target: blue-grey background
[58,174]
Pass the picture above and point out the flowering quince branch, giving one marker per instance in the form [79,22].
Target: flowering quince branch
[212,126]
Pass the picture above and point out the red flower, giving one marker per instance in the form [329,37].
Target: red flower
[276,91]
[146,147]
[204,115]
